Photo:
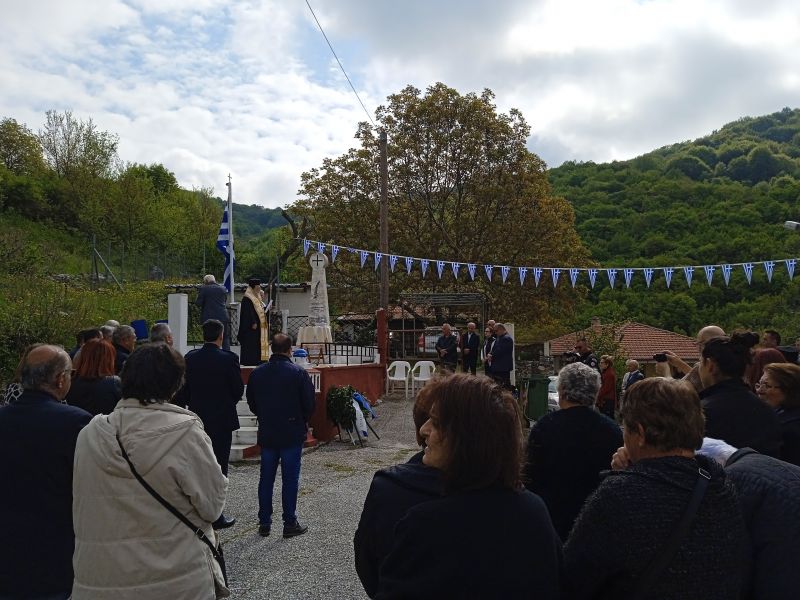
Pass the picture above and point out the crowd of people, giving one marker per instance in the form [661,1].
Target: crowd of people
[688,488]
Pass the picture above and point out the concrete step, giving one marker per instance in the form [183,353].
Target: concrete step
[248,421]
[246,435]
[242,451]
[242,409]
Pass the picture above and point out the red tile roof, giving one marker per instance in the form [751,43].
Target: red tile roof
[640,342]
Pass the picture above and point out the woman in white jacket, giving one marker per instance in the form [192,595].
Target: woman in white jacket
[127,544]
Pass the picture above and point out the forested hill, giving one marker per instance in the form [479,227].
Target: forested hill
[253,221]
[720,198]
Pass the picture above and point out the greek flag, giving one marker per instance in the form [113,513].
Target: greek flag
[225,245]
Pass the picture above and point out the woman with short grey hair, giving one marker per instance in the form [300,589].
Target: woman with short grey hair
[578,383]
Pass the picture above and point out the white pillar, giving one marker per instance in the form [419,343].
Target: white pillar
[285,321]
[178,318]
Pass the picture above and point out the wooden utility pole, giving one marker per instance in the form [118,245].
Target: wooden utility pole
[384,216]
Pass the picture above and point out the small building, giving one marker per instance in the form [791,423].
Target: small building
[639,341]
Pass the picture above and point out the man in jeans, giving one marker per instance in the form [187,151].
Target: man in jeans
[281,395]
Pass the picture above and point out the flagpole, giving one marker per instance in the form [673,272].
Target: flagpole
[230,234]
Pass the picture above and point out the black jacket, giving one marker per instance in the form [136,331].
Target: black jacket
[471,343]
[213,388]
[121,357]
[503,354]
[739,417]
[790,432]
[393,491]
[769,493]
[95,396]
[281,395]
[449,343]
[212,299]
[490,543]
[37,446]
[567,451]
[627,521]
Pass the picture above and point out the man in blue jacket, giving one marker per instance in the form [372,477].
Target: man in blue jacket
[213,388]
[281,395]
[37,445]
[212,299]
[501,358]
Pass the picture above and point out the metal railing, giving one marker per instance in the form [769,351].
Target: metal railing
[340,353]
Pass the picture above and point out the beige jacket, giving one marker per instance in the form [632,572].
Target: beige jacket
[127,545]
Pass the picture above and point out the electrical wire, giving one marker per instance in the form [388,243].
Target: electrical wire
[352,87]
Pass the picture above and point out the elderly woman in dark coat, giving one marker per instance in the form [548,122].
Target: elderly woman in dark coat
[626,525]
[487,537]
[779,387]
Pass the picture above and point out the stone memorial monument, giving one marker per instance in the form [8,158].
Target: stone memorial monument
[318,331]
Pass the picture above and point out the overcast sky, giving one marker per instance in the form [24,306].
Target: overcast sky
[209,87]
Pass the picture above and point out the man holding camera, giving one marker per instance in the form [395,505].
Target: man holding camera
[587,357]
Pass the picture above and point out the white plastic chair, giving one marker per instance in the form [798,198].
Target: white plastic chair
[421,373]
[398,371]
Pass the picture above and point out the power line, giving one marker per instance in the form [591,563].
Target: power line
[352,87]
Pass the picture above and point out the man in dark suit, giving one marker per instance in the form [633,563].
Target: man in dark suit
[37,442]
[212,299]
[281,395]
[124,340]
[501,358]
[212,389]
[447,348]
[470,346]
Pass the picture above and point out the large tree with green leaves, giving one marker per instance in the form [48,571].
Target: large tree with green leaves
[462,187]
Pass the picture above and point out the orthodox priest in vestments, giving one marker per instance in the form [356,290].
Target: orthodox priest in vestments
[253,327]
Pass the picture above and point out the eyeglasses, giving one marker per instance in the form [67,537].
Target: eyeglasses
[766,386]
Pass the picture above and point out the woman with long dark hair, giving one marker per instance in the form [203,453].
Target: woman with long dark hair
[487,537]
[95,388]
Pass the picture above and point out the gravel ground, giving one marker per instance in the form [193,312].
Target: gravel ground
[334,481]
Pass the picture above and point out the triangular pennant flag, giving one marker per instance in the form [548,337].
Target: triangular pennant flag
[523,271]
[769,267]
[439,267]
[573,276]
[668,271]
[364,255]
[709,269]
[688,272]
[424,265]
[321,247]
[555,273]
[378,257]
[392,262]
[612,276]
[628,273]
[409,264]
[306,246]
[537,275]
[726,273]
[504,272]
[471,270]
[352,250]
[488,269]
[592,276]
[455,267]
[791,263]
[334,252]
[648,276]
[748,272]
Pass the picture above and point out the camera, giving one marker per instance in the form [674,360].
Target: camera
[660,357]
[570,357]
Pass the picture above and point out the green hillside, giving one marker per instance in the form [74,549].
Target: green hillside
[722,198]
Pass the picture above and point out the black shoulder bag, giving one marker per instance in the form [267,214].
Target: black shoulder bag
[215,550]
[662,560]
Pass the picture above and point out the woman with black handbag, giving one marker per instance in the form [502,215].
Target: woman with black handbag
[146,489]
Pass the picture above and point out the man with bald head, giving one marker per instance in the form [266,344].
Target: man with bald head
[692,374]
[37,442]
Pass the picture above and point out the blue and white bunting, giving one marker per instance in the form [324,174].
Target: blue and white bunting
[555,274]
[352,250]
[455,266]
[668,271]
[593,277]
[537,275]
[409,264]
[688,273]
[471,270]
[748,272]
[488,270]
[378,257]
[612,276]
[628,273]
[709,269]
[321,247]
[791,263]
[439,267]
[392,262]
[523,271]
[726,273]
[504,272]
[573,276]
[306,246]
[648,276]
[334,253]
[769,267]
[424,266]
[364,254]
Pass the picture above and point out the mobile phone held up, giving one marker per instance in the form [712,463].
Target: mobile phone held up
[660,357]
